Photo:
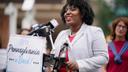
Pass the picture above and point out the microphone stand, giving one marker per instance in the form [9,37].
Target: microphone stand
[57,59]
[51,40]
[55,66]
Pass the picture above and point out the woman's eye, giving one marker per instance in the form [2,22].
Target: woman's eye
[72,9]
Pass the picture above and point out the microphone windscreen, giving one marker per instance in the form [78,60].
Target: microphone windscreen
[35,26]
[54,23]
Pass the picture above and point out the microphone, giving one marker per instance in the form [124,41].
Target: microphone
[63,49]
[52,24]
[44,29]
[60,60]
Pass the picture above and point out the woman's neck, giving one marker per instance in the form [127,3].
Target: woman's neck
[120,38]
[74,29]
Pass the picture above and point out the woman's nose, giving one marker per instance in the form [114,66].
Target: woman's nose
[68,12]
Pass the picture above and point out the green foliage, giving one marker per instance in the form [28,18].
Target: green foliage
[120,2]
[105,16]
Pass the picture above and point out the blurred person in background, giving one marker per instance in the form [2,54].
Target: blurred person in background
[25,31]
[118,47]
[0,43]
[87,50]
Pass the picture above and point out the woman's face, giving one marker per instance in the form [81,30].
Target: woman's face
[121,29]
[72,16]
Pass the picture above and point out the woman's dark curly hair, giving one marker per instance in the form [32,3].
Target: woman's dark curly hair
[115,23]
[85,10]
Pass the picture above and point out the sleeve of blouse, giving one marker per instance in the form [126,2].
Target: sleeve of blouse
[100,51]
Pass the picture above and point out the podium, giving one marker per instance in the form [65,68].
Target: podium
[3,58]
[25,53]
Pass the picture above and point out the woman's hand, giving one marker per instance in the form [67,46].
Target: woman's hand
[72,65]
[104,68]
